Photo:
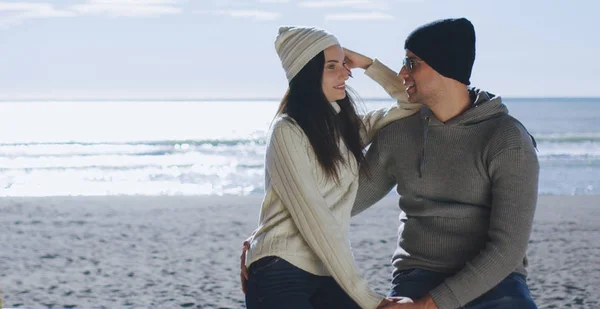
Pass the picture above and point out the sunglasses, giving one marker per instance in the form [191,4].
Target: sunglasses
[409,63]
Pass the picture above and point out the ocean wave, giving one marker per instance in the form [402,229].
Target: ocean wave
[214,142]
[146,148]
[568,137]
[569,149]
[125,161]
[98,168]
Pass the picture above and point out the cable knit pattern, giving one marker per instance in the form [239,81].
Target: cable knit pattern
[305,217]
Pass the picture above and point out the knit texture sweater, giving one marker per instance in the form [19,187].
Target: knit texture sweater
[305,217]
[468,192]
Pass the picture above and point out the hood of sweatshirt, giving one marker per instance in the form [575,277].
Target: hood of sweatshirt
[484,106]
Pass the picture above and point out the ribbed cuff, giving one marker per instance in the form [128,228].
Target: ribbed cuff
[374,302]
[368,298]
[375,69]
[444,298]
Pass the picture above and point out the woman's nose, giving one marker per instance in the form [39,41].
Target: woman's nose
[345,73]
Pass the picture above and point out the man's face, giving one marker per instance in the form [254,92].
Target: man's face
[420,80]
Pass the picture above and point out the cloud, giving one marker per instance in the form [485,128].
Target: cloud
[368,9]
[12,13]
[259,15]
[355,4]
[18,12]
[358,16]
[273,1]
[128,8]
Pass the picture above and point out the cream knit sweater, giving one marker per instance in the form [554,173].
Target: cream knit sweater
[305,217]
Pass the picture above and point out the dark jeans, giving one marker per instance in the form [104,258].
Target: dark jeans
[510,293]
[275,283]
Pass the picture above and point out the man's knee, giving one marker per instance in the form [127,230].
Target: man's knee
[415,283]
[525,304]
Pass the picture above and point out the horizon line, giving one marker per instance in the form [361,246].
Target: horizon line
[218,99]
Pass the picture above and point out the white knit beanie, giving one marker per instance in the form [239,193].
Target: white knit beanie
[297,45]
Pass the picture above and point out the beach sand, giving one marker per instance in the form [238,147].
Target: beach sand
[183,252]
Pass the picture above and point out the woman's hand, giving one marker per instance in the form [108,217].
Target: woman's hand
[406,303]
[356,60]
[393,302]
[243,268]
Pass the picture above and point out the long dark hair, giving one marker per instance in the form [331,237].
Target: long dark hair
[306,103]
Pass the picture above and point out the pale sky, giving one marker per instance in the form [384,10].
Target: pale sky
[198,49]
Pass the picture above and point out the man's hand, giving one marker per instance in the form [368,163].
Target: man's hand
[243,268]
[356,60]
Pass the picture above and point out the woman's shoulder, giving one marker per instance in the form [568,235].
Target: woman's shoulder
[282,120]
[284,124]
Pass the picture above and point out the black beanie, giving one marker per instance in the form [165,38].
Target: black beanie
[447,45]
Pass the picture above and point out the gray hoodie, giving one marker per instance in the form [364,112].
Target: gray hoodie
[468,192]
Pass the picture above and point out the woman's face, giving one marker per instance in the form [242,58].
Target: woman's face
[335,74]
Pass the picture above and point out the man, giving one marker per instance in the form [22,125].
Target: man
[467,174]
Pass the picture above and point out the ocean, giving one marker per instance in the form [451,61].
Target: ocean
[217,147]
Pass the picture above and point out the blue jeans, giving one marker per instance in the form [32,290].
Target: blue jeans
[510,293]
[275,283]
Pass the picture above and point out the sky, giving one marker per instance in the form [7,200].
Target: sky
[219,49]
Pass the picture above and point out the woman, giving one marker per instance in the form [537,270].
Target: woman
[300,256]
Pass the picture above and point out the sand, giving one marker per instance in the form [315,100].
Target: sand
[183,252]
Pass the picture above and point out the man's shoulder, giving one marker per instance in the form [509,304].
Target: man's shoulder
[510,127]
[509,132]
